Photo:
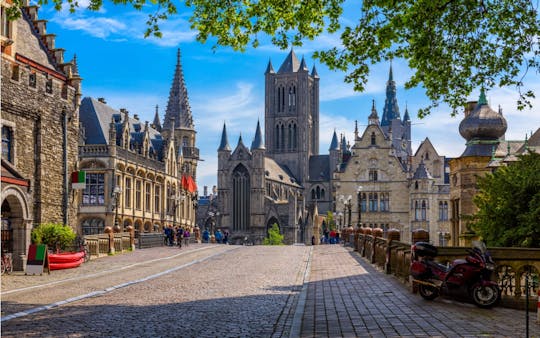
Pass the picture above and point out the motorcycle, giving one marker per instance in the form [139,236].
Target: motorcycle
[469,277]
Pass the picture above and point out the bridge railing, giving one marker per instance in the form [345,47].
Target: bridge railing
[110,243]
[517,269]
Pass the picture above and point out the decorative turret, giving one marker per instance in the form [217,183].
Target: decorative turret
[156,123]
[334,144]
[373,117]
[224,145]
[258,140]
[303,66]
[482,128]
[314,73]
[269,68]
[178,104]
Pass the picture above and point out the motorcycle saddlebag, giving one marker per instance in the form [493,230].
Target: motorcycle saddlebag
[418,269]
[425,249]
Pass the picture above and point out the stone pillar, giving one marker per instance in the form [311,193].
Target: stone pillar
[131,231]
[109,231]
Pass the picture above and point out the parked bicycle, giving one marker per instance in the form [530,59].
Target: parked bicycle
[83,247]
[7,262]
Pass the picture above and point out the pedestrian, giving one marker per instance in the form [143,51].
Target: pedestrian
[187,235]
[206,236]
[166,235]
[219,236]
[226,237]
[179,237]
[313,240]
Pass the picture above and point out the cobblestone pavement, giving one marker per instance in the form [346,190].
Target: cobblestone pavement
[238,291]
[348,297]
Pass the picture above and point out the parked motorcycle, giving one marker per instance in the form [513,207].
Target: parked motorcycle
[469,277]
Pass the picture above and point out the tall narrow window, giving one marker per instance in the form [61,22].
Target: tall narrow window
[443,211]
[148,197]
[241,199]
[290,137]
[5,29]
[15,72]
[7,143]
[373,201]
[94,193]
[277,138]
[416,211]
[385,202]
[157,199]
[282,134]
[32,80]
[138,194]
[373,139]
[127,195]
[49,86]
[424,211]
[373,175]
[363,202]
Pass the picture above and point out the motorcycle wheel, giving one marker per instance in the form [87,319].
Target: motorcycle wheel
[428,292]
[485,296]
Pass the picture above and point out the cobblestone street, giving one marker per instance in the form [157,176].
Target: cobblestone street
[238,291]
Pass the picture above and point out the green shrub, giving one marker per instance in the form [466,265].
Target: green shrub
[54,235]
[274,237]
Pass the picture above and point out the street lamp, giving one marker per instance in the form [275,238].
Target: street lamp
[340,215]
[359,195]
[347,204]
[117,191]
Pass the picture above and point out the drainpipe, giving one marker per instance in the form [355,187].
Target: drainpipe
[65,164]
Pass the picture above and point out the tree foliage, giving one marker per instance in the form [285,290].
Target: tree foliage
[452,46]
[330,221]
[54,235]
[274,237]
[509,204]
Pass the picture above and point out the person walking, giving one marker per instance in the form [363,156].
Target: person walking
[219,236]
[206,236]
[187,235]
[179,237]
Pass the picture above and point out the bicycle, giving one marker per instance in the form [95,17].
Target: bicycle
[83,247]
[7,263]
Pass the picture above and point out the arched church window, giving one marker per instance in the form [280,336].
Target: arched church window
[295,137]
[290,136]
[277,137]
[313,194]
[318,192]
[282,134]
[241,198]
[322,194]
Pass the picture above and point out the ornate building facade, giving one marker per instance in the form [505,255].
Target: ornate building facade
[377,181]
[138,174]
[40,129]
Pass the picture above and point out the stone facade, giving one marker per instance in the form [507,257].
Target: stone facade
[40,131]
[138,174]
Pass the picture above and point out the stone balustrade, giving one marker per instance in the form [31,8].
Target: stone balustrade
[517,269]
[110,242]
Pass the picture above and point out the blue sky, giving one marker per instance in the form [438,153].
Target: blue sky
[131,72]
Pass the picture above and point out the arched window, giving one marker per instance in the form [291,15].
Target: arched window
[318,193]
[290,136]
[185,141]
[282,134]
[322,194]
[7,144]
[416,211]
[373,139]
[241,199]
[372,201]
[295,137]
[424,211]
[313,195]
[416,185]
[443,211]
[277,137]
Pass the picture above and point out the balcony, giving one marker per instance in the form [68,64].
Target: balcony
[190,152]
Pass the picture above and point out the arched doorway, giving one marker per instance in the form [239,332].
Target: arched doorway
[273,220]
[16,225]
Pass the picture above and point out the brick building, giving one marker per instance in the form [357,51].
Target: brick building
[40,130]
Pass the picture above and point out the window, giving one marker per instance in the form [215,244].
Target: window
[49,86]
[93,226]
[424,209]
[363,202]
[416,211]
[373,175]
[157,191]
[443,211]
[5,29]
[32,80]
[15,72]
[373,201]
[127,196]
[385,202]
[185,141]
[7,143]
[373,139]
[94,193]
[138,194]
[148,199]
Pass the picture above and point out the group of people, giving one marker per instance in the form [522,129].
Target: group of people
[330,237]
[219,237]
[176,236]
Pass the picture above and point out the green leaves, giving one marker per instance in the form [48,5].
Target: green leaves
[274,237]
[453,47]
[509,204]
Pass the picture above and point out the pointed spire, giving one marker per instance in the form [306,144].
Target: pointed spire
[258,140]
[343,143]
[355,129]
[314,73]
[406,117]
[391,109]
[269,68]
[178,104]
[374,116]
[482,100]
[240,141]
[334,144]
[157,123]
[224,145]
[74,65]
[290,64]
[303,65]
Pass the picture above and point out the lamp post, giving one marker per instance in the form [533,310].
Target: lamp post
[347,204]
[340,215]
[212,221]
[116,194]
[359,195]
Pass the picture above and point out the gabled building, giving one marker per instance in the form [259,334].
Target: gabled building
[138,174]
[40,130]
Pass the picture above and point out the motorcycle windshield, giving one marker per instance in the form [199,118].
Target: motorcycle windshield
[480,246]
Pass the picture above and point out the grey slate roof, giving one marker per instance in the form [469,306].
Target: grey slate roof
[422,172]
[224,145]
[278,173]
[290,64]
[96,118]
[258,140]
[319,168]
[334,144]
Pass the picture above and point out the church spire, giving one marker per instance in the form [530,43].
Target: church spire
[270,68]
[224,145]
[391,109]
[157,123]
[334,145]
[178,104]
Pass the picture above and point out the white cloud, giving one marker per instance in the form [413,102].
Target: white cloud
[98,27]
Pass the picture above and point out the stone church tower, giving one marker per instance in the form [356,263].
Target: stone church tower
[292,115]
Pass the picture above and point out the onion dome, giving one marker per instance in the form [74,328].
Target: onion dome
[482,128]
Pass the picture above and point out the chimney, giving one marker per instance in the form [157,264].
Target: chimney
[102,100]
